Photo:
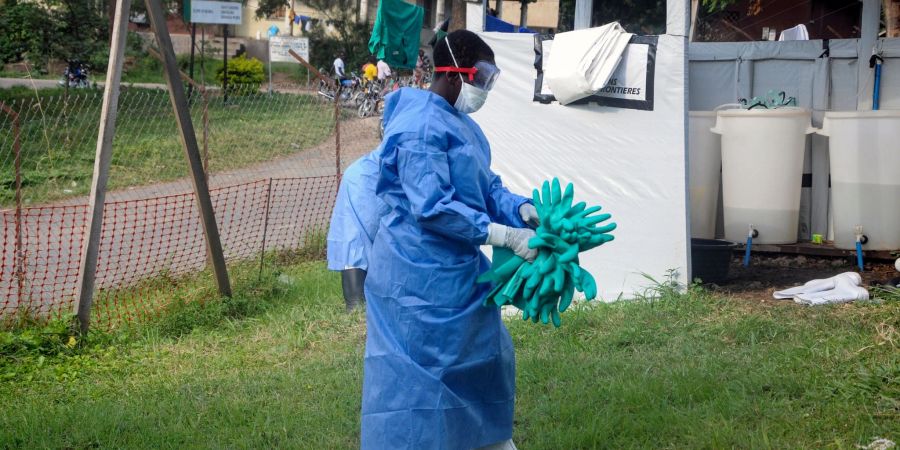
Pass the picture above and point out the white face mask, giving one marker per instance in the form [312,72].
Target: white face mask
[470,98]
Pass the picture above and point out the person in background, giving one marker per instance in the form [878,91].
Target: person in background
[384,71]
[370,70]
[384,76]
[354,222]
[339,74]
[439,368]
[423,65]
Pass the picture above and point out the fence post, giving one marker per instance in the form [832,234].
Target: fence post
[262,252]
[337,131]
[19,250]
[189,141]
[102,160]
[205,96]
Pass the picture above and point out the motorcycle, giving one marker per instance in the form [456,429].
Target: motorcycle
[75,75]
[372,100]
[350,94]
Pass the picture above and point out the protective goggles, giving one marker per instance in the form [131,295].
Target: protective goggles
[483,75]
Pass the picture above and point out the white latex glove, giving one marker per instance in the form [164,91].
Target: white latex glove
[529,215]
[515,239]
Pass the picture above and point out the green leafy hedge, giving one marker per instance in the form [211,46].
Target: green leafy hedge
[245,75]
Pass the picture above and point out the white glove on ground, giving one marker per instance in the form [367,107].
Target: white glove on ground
[515,239]
[529,215]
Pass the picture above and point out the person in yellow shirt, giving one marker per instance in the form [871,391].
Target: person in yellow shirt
[370,70]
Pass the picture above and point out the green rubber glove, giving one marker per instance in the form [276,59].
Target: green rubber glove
[545,287]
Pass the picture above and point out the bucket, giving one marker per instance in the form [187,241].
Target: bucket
[865,177]
[704,175]
[711,259]
[762,171]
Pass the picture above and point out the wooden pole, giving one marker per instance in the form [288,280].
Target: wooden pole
[189,140]
[19,259]
[892,17]
[102,159]
[457,15]
[310,69]
[224,61]
[695,9]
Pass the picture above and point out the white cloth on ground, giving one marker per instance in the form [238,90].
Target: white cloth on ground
[841,288]
[820,285]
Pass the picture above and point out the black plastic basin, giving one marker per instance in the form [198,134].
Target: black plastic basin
[710,259]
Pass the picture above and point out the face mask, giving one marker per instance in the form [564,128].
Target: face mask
[470,98]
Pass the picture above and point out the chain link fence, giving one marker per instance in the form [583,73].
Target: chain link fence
[273,160]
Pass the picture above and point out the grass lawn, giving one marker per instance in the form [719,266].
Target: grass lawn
[147,69]
[59,134]
[280,366]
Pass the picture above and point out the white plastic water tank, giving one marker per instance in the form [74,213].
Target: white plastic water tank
[865,177]
[762,170]
[705,158]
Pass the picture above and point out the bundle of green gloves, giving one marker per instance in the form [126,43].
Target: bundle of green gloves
[544,288]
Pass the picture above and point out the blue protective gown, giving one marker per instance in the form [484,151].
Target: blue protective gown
[439,369]
[356,215]
[357,210]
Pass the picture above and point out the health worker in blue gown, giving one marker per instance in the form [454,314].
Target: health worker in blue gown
[354,221]
[439,368]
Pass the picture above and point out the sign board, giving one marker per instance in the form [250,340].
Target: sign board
[213,12]
[630,86]
[279,46]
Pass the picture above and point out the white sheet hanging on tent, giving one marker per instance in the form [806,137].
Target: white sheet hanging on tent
[631,162]
[583,61]
[798,33]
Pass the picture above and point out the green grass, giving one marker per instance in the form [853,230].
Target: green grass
[147,69]
[280,366]
[59,135]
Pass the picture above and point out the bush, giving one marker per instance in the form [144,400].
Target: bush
[245,75]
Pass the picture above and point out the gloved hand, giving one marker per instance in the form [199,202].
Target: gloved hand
[529,215]
[515,239]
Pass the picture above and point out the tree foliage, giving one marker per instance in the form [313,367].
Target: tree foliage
[55,29]
[346,34]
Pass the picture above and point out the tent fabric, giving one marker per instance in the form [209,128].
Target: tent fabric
[395,37]
[583,61]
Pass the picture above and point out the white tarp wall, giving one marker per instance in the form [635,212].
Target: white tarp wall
[822,81]
[629,161]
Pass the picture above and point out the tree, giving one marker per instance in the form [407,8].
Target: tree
[266,8]
[55,29]
[457,15]
[347,34]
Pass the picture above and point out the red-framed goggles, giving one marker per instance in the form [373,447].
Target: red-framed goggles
[483,75]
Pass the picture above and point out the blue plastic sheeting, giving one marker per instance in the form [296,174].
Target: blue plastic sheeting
[494,24]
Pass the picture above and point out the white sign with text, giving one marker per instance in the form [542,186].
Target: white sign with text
[206,11]
[279,46]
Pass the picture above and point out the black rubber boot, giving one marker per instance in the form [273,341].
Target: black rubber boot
[352,282]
